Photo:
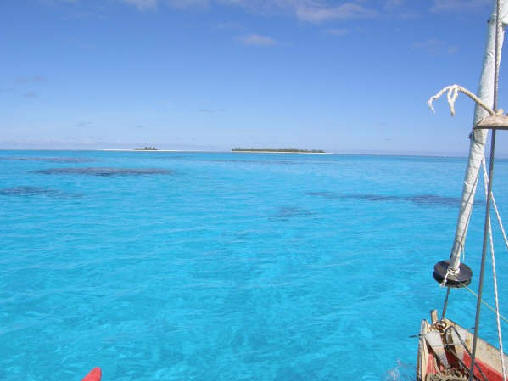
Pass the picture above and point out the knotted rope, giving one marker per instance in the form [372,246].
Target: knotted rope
[452,93]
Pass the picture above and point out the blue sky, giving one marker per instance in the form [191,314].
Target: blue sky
[344,76]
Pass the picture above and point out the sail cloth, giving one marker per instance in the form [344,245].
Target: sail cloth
[478,137]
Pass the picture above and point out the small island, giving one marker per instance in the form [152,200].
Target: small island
[146,149]
[277,150]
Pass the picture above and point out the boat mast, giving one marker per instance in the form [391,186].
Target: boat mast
[452,273]
[479,137]
[486,116]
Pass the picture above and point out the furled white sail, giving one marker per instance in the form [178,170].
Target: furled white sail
[478,137]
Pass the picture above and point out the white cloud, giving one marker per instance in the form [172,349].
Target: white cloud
[55,2]
[211,110]
[310,10]
[84,123]
[458,5]
[142,4]
[257,40]
[31,79]
[306,10]
[452,49]
[151,4]
[394,3]
[315,11]
[344,11]
[187,3]
[30,94]
[435,47]
[229,25]
[338,32]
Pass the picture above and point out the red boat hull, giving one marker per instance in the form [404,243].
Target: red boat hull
[444,349]
[94,375]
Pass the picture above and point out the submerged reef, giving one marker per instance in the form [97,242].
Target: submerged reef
[28,191]
[50,159]
[292,211]
[419,199]
[105,171]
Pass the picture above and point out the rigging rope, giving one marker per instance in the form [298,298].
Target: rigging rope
[461,340]
[462,237]
[496,210]
[497,57]
[452,93]
[494,276]
[487,233]
[486,304]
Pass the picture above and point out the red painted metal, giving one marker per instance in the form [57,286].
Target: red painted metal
[490,373]
[431,368]
[94,375]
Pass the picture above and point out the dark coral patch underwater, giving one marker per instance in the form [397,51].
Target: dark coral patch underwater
[292,211]
[418,199]
[431,199]
[50,159]
[104,172]
[27,191]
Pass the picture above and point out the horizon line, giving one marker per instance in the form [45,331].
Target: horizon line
[358,153]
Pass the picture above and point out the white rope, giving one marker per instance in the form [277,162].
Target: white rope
[449,270]
[452,92]
[496,210]
[487,194]
[494,276]
[486,304]
[463,245]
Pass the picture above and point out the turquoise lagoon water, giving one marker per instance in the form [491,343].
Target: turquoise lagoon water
[218,266]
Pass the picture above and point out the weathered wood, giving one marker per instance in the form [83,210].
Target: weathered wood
[423,353]
[436,343]
[433,316]
[499,122]
[432,343]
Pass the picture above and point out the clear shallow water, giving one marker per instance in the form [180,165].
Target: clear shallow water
[178,266]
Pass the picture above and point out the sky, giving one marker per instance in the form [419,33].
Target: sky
[346,76]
